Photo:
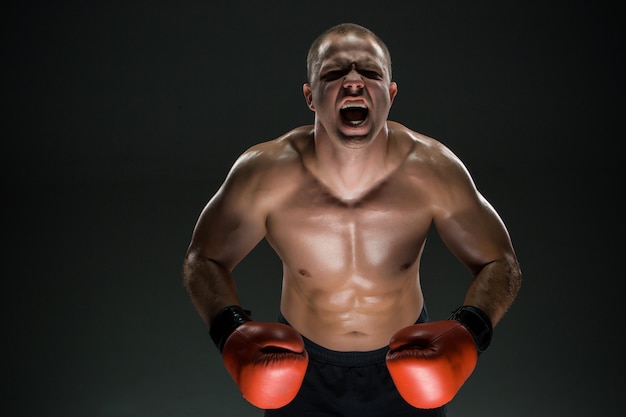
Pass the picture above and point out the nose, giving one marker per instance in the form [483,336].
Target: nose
[353,81]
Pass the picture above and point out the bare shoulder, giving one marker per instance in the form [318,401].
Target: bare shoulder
[266,163]
[424,153]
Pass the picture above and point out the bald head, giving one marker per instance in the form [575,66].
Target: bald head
[343,29]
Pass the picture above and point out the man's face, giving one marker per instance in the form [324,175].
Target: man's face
[350,89]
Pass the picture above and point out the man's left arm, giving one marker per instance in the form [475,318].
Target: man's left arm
[429,362]
[477,236]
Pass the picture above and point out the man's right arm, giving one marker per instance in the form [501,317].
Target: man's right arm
[266,360]
[229,227]
[209,285]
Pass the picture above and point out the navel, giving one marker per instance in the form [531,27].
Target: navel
[405,266]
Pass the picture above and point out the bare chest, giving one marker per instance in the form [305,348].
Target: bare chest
[317,233]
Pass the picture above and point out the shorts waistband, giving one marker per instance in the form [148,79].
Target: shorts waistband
[350,358]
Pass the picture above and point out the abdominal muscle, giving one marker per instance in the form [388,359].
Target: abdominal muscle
[351,313]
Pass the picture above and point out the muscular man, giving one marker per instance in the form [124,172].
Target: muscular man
[347,204]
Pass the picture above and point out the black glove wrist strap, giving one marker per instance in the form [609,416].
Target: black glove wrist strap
[478,324]
[225,322]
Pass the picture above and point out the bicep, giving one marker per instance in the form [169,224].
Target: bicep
[476,235]
[468,224]
[230,225]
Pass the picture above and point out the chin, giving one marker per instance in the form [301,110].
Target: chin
[359,133]
[355,141]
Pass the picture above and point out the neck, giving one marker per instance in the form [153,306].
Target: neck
[351,168]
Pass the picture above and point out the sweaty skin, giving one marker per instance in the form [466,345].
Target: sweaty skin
[347,204]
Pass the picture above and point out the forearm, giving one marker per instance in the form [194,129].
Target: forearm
[495,287]
[209,285]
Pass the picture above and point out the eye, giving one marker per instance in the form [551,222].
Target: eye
[371,74]
[333,75]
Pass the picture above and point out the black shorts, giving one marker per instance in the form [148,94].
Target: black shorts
[349,384]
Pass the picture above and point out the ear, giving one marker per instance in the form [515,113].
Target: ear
[393,90]
[308,95]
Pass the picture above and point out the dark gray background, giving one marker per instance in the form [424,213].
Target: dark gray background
[121,119]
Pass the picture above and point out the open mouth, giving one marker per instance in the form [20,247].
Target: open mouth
[354,114]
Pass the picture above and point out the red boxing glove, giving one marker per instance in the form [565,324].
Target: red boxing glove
[267,360]
[429,362]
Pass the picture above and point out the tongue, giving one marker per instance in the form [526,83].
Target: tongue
[354,115]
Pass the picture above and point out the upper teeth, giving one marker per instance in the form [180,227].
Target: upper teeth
[353,105]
